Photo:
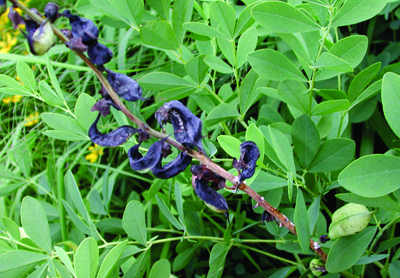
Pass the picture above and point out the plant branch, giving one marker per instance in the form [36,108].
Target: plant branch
[203,159]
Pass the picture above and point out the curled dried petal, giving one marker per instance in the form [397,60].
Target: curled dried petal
[51,11]
[187,126]
[249,154]
[103,106]
[112,139]
[166,150]
[173,168]
[15,18]
[142,163]
[213,199]
[124,86]
[76,44]
[67,33]
[98,53]
[82,27]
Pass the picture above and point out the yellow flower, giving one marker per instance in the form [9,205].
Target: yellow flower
[14,99]
[32,119]
[96,151]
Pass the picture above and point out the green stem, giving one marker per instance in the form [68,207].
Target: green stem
[265,254]
[22,244]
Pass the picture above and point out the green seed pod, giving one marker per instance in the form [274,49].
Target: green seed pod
[317,268]
[349,220]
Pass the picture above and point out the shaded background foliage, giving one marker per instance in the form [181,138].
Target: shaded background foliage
[242,92]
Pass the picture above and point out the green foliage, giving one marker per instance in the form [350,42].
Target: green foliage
[313,83]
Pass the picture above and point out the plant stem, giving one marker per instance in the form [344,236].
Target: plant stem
[200,157]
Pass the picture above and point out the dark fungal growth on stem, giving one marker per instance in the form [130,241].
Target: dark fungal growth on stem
[246,165]
[112,139]
[124,86]
[187,127]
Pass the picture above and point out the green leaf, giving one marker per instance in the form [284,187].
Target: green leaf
[394,268]
[330,106]
[230,144]
[63,123]
[66,136]
[159,81]
[266,182]
[19,263]
[295,94]
[391,100]
[371,91]
[361,81]
[255,135]
[302,222]
[49,96]
[228,49]
[167,213]
[179,202]
[161,7]
[313,213]
[181,13]
[217,260]
[11,227]
[134,222]
[346,251]
[65,259]
[245,20]
[34,222]
[355,11]
[76,197]
[331,94]
[159,34]
[225,16]
[175,94]
[306,139]
[283,149]
[384,202]
[372,175]
[197,69]
[75,219]
[223,112]
[297,42]
[248,93]
[86,258]
[138,268]
[333,155]
[110,261]
[161,269]
[12,83]
[274,65]
[283,18]
[26,75]
[83,111]
[217,64]
[183,258]
[328,61]
[40,271]
[204,30]
[54,79]
[14,92]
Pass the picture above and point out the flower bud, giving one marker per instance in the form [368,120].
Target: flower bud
[349,220]
[51,11]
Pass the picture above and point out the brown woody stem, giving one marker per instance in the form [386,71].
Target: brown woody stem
[203,159]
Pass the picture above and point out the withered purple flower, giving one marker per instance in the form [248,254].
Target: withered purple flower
[3,6]
[76,44]
[217,182]
[214,200]
[142,163]
[173,168]
[103,106]
[99,54]
[40,39]
[187,127]
[51,11]
[267,217]
[249,154]
[112,139]
[124,86]
[15,18]
[82,27]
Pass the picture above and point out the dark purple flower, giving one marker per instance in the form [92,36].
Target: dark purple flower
[103,106]
[82,27]
[76,44]
[324,239]
[15,18]
[211,198]
[51,11]
[112,139]
[249,154]
[187,127]
[145,163]
[98,53]
[173,168]
[124,86]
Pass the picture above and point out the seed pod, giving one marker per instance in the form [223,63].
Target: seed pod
[82,27]
[112,139]
[349,220]
[3,6]
[99,54]
[42,39]
[124,86]
[51,11]
[249,154]
[173,168]
[318,268]
[215,201]
[187,126]
[145,163]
